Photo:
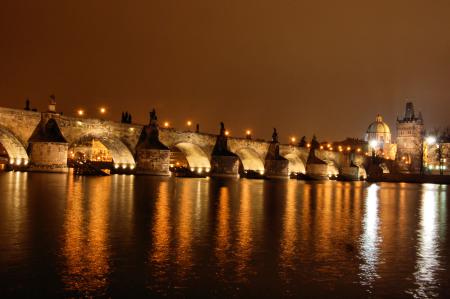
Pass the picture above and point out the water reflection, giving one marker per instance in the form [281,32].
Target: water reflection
[13,219]
[223,242]
[185,228]
[85,247]
[161,233]
[428,248]
[244,230]
[290,234]
[370,239]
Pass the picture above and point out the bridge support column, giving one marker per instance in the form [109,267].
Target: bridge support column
[225,166]
[275,165]
[152,157]
[224,163]
[48,157]
[48,147]
[276,169]
[153,162]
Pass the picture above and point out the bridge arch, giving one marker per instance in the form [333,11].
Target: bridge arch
[14,148]
[296,165]
[121,155]
[195,155]
[250,159]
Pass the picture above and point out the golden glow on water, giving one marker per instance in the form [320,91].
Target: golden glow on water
[85,244]
[176,237]
[244,232]
[370,238]
[427,260]
[223,230]
[162,228]
[185,228]
[15,215]
[289,235]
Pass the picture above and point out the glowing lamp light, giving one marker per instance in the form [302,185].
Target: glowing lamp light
[373,143]
[18,162]
[189,123]
[166,124]
[321,147]
[248,132]
[199,170]
[349,148]
[293,139]
[80,112]
[116,166]
[358,150]
[192,169]
[12,161]
[102,110]
[430,140]
[227,133]
[124,166]
[261,172]
[132,166]
[308,145]
[208,169]
[26,162]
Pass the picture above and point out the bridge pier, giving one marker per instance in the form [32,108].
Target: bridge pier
[152,157]
[275,165]
[224,166]
[224,163]
[47,147]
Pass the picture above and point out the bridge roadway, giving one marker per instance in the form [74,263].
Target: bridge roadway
[18,126]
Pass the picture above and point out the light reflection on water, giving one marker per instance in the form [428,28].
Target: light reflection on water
[145,236]
[370,239]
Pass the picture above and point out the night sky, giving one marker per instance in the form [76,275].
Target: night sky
[324,67]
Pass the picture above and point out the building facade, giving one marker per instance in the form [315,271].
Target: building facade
[410,134]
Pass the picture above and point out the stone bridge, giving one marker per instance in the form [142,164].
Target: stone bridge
[19,128]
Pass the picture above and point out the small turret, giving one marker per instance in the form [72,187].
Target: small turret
[52,104]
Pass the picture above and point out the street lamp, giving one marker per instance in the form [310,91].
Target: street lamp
[166,124]
[102,110]
[80,112]
[189,123]
[227,133]
[373,144]
[248,134]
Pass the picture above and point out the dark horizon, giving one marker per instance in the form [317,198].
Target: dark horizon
[305,68]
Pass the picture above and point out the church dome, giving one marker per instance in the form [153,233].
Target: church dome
[378,130]
[378,126]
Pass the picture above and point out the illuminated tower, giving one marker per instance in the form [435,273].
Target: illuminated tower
[410,132]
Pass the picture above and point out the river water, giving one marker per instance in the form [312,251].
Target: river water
[130,236]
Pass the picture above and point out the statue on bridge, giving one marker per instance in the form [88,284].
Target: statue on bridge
[222,129]
[275,136]
[153,117]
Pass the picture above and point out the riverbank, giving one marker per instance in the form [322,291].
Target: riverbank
[411,178]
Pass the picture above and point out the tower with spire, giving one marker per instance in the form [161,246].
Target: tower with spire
[410,132]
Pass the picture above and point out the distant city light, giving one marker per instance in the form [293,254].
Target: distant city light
[166,124]
[349,148]
[430,140]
